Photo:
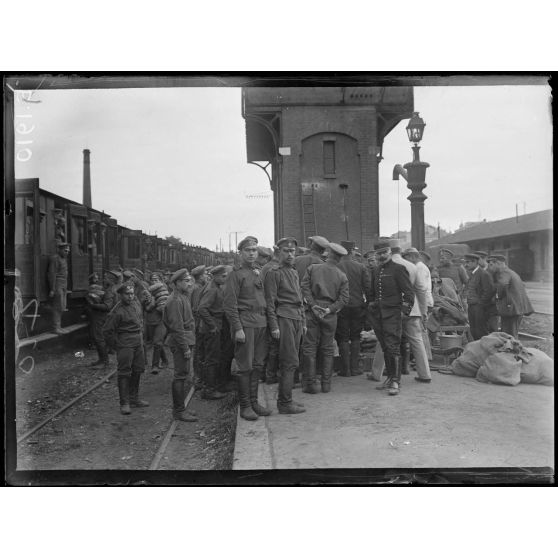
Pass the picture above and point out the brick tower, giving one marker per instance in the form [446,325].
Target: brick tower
[320,147]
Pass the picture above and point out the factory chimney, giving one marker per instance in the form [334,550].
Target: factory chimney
[86,179]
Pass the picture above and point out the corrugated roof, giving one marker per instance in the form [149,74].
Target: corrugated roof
[531,222]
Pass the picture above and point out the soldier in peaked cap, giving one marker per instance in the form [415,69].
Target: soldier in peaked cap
[391,295]
[452,271]
[326,290]
[351,317]
[57,276]
[318,245]
[245,305]
[123,331]
[264,255]
[210,330]
[286,320]
[512,302]
[491,310]
[179,321]
[200,276]
[479,293]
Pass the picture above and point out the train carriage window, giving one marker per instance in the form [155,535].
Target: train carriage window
[24,221]
[133,247]
[79,237]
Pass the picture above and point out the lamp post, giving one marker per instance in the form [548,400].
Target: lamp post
[415,174]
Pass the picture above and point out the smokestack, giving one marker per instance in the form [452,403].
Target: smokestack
[86,179]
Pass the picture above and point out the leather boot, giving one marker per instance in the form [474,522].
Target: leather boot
[309,374]
[135,401]
[405,356]
[246,411]
[355,358]
[327,372]
[254,385]
[124,394]
[396,380]
[345,357]
[179,412]
[164,359]
[155,360]
[103,361]
[388,359]
[209,388]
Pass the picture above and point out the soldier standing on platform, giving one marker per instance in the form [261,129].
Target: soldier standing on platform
[350,320]
[271,362]
[512,301]
[452,271]
[491,310]
[318,245]
[210,329]
[479,293]
[245,308]
[123,331]
[326,290]
[99,310]
[286,321]
[179,321]
[57,275]
[200,276]
[391,298]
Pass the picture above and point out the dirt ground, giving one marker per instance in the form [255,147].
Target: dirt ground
[93,434]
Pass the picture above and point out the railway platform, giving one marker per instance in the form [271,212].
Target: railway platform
[453,422]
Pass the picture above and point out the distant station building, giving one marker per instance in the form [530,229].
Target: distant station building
[321,147]
[526,240]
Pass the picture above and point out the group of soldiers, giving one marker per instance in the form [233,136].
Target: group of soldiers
[279,314]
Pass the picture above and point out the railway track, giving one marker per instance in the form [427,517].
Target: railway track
[159,454]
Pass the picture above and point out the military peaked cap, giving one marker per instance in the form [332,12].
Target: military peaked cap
[337,249]
[288,241]
[497,258]
[263,251]
[198,271]
[382,244]
[218,270]
[348,245]
[480,253]
[248,241]
[472,257]
[125,288]
[319,241]
[446,251]
[180,274]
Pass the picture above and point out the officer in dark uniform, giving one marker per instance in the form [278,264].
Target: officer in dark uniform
[57,275]
[245,308]
[123,331]
[200,277]
[326,290]
[490,311]
[179,321]
[210,329]
[350,319]
[286,320]
[391,296]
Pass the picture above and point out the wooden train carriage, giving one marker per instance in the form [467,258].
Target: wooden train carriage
[43,219]
[130,248]
[97,245]
[112,242]
[150,261]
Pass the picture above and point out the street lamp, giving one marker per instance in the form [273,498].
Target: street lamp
[415,175]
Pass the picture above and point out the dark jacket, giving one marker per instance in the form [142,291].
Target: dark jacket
[283,295]
[179,321]
[325,285]
[391,287]
[359,281]
[124,326]
[480,288]
[301,263]
[511,298]
[210,308]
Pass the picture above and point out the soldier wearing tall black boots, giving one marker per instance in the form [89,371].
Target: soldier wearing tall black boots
[210,310]
[391,297]
[179,321]
[326,290]
[350,320]
[286,321]
[123,331]
[245,306]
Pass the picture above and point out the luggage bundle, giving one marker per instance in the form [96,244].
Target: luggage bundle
[95,294]
[160,294]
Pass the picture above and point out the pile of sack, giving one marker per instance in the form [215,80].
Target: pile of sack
[160,294]
[499,358]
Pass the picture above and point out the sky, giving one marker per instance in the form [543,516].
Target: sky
[172,161]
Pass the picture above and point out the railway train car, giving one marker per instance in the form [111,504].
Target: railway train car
[97,243]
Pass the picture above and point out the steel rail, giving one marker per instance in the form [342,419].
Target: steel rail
[163,447]
[65,407]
